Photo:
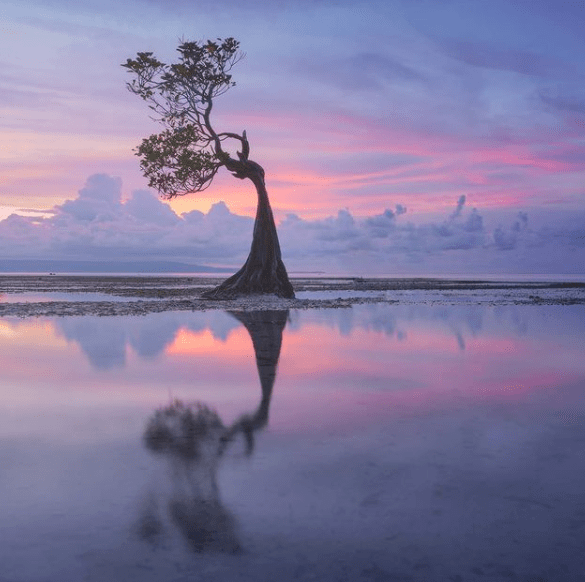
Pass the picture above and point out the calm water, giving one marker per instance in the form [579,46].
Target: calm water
[391,443]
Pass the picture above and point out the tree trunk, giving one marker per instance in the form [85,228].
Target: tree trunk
[263,272]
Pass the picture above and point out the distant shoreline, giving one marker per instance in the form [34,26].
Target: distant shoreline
[226,272]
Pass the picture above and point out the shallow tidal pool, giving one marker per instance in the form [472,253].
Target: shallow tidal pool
[377,443]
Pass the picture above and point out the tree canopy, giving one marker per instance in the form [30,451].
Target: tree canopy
[185,157]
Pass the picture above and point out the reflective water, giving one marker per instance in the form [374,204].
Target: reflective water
[379,443]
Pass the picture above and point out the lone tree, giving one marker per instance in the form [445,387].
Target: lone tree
[186,156]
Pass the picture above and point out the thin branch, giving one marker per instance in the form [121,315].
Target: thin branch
[187,155]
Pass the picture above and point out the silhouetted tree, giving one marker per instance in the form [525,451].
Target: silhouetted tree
[187,155]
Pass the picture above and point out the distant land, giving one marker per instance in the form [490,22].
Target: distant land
[73,266]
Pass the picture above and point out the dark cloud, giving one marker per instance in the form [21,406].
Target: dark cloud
[359,72]
[485,55]
[571,101]
[459,208]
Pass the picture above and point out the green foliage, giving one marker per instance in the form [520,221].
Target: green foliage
[174,162]
[187,154]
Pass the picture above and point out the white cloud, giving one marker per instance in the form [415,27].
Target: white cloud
[98,224]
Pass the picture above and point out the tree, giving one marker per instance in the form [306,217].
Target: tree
[186,156]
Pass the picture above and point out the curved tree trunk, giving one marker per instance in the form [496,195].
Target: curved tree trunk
[263,272]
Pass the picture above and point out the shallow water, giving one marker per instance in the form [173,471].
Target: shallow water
[396,443]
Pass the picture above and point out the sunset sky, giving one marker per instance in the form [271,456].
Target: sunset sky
[398,137]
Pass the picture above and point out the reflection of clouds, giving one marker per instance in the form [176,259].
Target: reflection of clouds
[461,322]
[6,329]
[519,320]
[150,337]
[460,341]
[104,340]
[218,322]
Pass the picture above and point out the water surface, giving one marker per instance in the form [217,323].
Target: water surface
[391,443]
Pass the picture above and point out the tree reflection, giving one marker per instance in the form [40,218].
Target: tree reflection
[193,438]
[265,329]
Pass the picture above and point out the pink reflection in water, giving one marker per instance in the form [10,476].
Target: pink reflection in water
[392,436]
[141,362]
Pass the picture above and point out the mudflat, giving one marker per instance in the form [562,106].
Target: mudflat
[48,295]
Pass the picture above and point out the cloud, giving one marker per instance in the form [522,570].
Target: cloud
[460,205]
[364,71]
[508,239]
[143,206]
[572,101]
[98,200]
[98,224]
[486,55]
[382,224]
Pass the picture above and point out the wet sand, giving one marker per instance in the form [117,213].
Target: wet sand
[48,295]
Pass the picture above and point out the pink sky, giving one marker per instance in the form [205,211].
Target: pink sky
[357,107]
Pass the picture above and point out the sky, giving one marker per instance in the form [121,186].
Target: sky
[403,137]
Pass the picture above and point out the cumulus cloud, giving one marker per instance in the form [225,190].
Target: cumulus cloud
[507,239]
[99,224]
[99,200]
[388,243]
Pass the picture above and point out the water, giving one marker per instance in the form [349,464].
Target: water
[391,443]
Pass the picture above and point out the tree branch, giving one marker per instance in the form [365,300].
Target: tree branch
[187,155]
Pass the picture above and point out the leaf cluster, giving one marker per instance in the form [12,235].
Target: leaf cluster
[187,154]
[187,87]
[174,161]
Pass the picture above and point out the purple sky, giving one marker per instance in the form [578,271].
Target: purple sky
[405,137]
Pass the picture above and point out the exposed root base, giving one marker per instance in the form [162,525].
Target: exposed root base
[258,282]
